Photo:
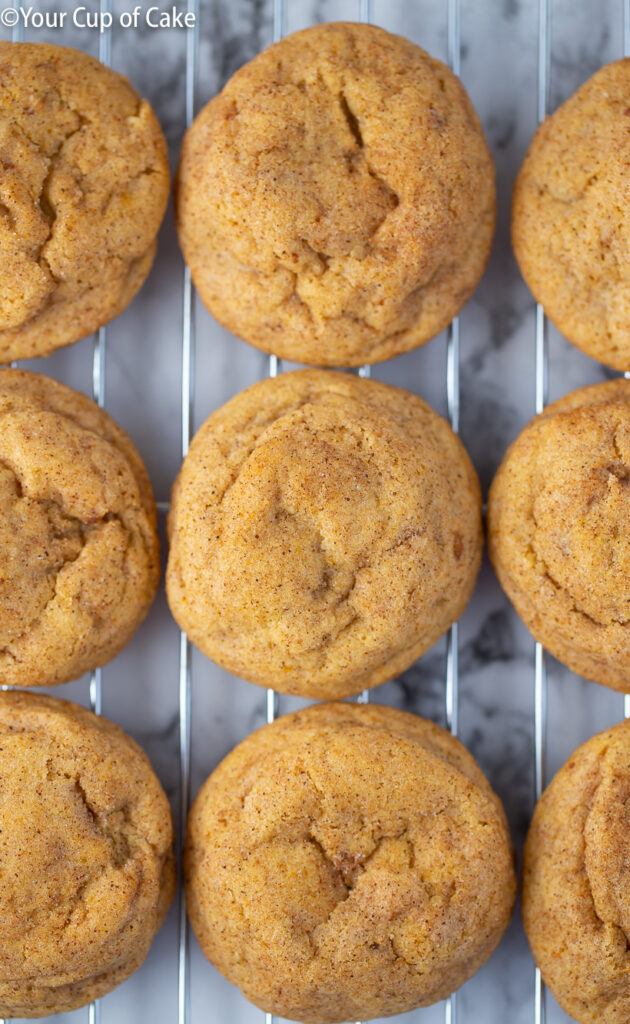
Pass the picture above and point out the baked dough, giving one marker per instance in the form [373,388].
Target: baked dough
[336,201]
[558,514]
[571,216]
[86,846]
[79,553]
[325,531]
[348,862]
[84,183]
[576,904]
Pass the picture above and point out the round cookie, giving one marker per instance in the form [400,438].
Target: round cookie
[86,845]
[571,216]
[348,862]
[558,511]
[325,531]
[84,184]
[576,903]
[79,553]
[335,202]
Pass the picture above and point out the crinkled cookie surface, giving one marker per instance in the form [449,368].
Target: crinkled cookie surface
[325,531]
[348,862]
[571,216]
[336,201]
[84,184]
[558,514]
[79,554]
[86,845]
[576,902]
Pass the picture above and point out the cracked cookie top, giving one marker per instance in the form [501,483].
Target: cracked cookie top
[348,862]
[335,202]
[83,188]
[576,902]
[86,850]
[79,556]
[558,518]
[325,531]
[571,216]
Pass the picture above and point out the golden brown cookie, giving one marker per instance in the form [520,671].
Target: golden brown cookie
[571,216]
[84,184]
[325,531]
[558,514]
[79,554]
[348,862]
[86,844]
[576,901]
[336,201]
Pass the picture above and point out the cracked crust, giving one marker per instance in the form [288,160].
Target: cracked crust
[571,216]
[325,531]
[86,845]
[336,202]
[79,554]
[576,905]
[348,862]
[83,190]
[557,530]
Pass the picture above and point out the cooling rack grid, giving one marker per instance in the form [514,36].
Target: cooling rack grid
[518,59]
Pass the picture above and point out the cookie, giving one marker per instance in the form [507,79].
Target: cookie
[86,845]
[79,554]
[325,530]
[576,905]
[557,530]
[571,218]
[84,184]
[335,202]
[348,862]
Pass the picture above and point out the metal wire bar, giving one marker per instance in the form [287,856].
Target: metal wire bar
[279,20]
[274,367]
[453,395]
[16,37]
[365,371]
[17,32]
[98,394]
[187,419]
[626,53]
[542,381]
[541,398]
[366,11]
[451,693]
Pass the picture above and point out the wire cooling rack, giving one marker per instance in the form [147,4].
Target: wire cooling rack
[450,12]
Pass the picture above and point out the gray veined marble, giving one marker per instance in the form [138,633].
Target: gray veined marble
[499,68]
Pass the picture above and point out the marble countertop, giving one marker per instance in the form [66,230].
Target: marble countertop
[140,688]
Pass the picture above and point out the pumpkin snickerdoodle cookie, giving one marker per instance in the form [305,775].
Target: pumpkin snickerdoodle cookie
[571,216]
[348,862]
[336,201]
[576,902]
[79,555]
[86,845]
[558,516]
[84,183]
[325,531]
